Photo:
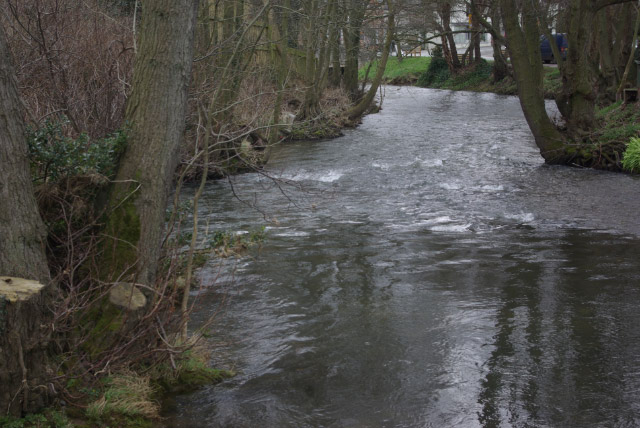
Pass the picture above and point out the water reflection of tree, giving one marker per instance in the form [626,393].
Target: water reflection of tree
[562,344]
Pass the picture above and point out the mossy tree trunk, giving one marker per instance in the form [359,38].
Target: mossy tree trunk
[24,320]
[156,113]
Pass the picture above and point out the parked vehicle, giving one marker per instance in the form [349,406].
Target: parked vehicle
[545,47]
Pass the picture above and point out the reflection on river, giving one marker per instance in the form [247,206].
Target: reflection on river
[433,273]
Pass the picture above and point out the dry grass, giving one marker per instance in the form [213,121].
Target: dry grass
[127,394]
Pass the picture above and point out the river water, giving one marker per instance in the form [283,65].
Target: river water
[428,271]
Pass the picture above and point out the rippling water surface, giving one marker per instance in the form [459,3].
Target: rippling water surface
[430,272]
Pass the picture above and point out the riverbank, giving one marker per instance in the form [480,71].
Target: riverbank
[614,139]
[476,78]
[248,148]
[126,399]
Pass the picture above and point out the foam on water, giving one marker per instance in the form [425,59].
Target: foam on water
[321,176]
[522,217]
[452,228]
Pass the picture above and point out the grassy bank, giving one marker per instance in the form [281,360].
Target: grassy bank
[406,71]
[476,78]
[126,399]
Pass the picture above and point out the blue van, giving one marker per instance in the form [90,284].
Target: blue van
[545,47]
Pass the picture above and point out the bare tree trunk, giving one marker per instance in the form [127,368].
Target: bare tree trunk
[359,109]
[24,317]
[156,111]
[281,63]
[627,68]
[334,46]
[524,49]
[452,60]
[500,67]
[476,27]
[576,101]
[355,11]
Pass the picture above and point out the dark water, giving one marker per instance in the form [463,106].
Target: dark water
[433,273]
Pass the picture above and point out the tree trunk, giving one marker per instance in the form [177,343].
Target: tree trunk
[355,12]
[576,101]
[476,28]
[500,67]
[281,63]
[334,46]
[524,49]
[364,104]
[24,317]
[453,60]
[156,113]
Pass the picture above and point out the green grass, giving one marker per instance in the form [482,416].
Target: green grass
[551,81]
[620,123]
[409,68]
[48,419]
[478,79]
[603,112]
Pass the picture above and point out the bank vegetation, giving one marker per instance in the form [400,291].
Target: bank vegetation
[108,107]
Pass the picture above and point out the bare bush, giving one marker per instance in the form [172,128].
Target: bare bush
[72,59]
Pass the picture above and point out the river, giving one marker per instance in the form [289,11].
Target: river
[426,270]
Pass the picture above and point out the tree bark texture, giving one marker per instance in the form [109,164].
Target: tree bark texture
[156,113]
[23,368]
[524,49]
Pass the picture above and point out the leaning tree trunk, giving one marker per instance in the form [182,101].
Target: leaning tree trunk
[156,113]
[524,49]
[360,108]
[24,317]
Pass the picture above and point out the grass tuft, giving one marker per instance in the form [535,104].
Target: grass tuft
[127,394]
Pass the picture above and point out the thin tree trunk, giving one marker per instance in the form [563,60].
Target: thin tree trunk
[206,116]
[632,55]
[500,67]
[282,69]
[453,61]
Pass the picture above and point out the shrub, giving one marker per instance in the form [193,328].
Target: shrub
[54,156]
[438,72]
[631,158]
